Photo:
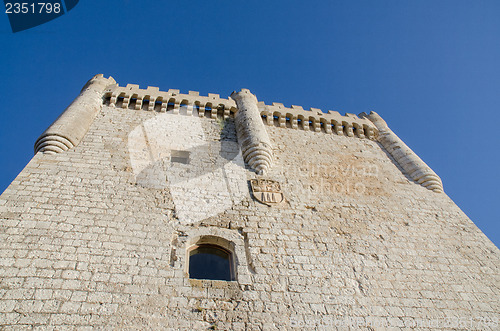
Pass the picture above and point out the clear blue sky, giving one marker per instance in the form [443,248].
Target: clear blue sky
[430,68]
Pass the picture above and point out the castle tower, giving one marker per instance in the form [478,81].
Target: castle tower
[149,209]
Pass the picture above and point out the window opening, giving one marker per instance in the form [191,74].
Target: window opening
[132,102]
[208,111]
[170,105]
[183,108]
[179,157]
[119,101]
[210,262]
[158,104]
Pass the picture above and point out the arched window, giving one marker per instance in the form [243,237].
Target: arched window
[207,261]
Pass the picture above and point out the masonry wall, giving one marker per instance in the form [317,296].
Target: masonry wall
[90,238]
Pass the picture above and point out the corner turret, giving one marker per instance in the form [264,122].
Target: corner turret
[414,167]
[252,134]
[69,129]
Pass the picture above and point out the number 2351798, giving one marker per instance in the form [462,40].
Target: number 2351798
[32,8]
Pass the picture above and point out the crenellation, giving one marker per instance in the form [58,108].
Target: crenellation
[312,120]
[317,111]
[276,114]
[174,97]
[153,89]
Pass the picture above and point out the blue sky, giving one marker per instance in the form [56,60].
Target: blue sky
[430,68]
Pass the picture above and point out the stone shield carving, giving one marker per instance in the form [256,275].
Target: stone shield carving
[267,191]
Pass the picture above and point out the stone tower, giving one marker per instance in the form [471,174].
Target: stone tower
[145,209]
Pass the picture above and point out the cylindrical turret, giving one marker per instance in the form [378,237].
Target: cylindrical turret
[71,126]
[406,158]
[252,134]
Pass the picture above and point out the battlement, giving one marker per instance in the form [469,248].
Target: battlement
[69,129]
[278,115]
[152,99]
[213,106]
[316,120]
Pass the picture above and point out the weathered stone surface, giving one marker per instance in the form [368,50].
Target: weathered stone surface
[86,242]
[69,129]
[252,134]
[406,158]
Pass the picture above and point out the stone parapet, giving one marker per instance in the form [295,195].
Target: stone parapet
[70,128]
[213,106]
[152,99]
[316,120]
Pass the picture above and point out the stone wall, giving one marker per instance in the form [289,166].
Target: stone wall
[93,237]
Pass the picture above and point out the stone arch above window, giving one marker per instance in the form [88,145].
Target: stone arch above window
[216,245]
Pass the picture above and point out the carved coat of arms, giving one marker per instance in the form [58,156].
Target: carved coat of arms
[267,191]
